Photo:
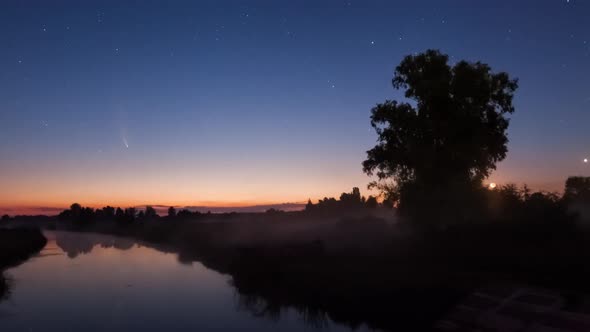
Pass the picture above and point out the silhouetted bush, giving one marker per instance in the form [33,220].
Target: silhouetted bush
[517,206]
[127,217]
[577,196]
[348,203]
[186,214]
[371,202]
[171,212]
[78,215]
[150,213]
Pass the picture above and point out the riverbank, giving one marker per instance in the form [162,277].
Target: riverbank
[16,246]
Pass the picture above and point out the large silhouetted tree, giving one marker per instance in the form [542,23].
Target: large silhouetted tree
[446,138]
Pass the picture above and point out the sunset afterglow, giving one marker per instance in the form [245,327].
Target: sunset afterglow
[224,108]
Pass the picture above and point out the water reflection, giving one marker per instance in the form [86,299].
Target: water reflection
[97,282]
[261,307]
[74,244]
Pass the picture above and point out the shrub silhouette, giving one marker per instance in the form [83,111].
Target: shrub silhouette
[577,196]
[371,202]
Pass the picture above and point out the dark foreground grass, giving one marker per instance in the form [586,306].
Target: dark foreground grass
[414,282]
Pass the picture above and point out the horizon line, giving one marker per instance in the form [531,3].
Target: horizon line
[214,208]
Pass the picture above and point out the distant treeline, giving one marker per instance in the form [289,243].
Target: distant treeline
[347,201]
[509,202]
[78,214]
[505,202]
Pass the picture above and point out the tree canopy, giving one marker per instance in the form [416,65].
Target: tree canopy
[577,188]
[450,132]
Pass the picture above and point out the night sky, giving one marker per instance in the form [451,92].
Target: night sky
[248,102]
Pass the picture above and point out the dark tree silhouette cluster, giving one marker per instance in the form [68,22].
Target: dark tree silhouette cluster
[348,202]
[437,147]
[79,215]
[520,205]
[577,196]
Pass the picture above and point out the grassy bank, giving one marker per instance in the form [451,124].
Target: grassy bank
[16,246]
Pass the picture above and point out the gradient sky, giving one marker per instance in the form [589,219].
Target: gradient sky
[249,102]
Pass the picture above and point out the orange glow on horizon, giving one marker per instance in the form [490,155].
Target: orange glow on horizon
[29,190]
[54,209]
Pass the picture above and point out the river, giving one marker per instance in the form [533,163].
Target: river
[91,282]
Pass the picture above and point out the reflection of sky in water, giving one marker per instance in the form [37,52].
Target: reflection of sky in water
[108,289]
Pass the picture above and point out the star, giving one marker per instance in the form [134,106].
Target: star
[585,160]
[372,42]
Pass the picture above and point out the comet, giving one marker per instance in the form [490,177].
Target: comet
[125,142]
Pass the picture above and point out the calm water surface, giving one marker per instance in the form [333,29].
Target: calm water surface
[91,282]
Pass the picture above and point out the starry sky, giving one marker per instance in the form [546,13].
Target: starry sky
[256,102]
